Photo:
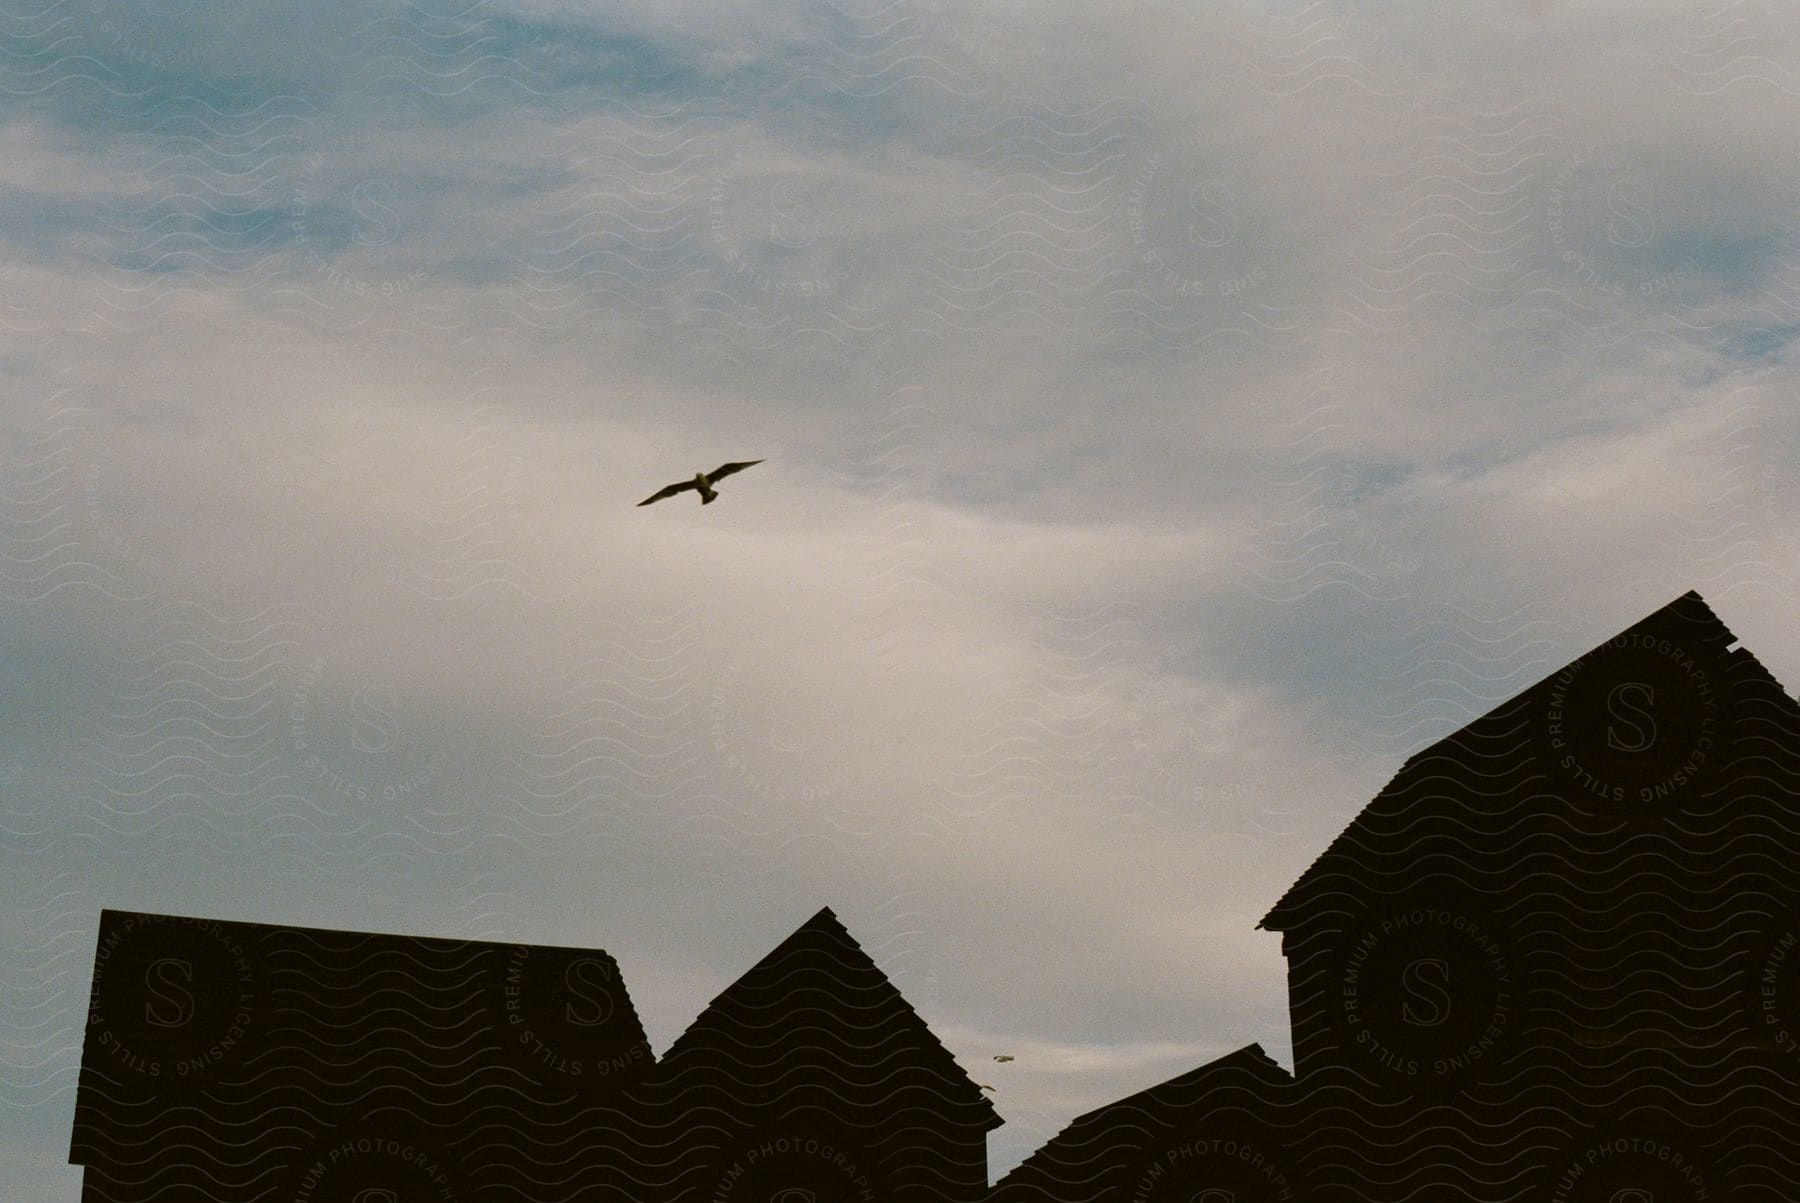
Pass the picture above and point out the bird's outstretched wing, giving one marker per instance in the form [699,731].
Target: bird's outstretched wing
[667,491]
[724,470]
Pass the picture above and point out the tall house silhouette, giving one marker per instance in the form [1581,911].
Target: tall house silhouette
[1553,959]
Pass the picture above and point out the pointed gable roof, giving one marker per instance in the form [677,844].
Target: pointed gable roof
[1552,750]
[1249,1069]
[1097,1155]
[818,1011]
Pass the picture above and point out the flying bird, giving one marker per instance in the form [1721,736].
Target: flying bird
[1003,1056]
[704,481]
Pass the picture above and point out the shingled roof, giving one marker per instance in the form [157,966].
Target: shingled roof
[818,1011]
[235,1058]
[1561,750]
[810,1076]
[1221,1122]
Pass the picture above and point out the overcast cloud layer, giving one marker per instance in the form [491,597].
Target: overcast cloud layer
[1175,416]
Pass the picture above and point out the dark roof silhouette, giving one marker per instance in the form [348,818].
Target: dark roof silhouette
[814,1044]
[1144,1144]
[228,1060]
[231,1059]
[1514,738]
[818,989]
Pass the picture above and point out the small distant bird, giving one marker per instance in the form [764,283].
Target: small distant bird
[1003,1056]
[704,481]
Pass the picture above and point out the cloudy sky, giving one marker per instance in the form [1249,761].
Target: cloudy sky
[1175,415]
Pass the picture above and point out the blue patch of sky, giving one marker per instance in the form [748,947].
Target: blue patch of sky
[47,229]
[254,228]
[565,56]
[1746,348]
[1738,262]
[1359,480]
[181,239]
[129,73]
[152,109]
[1760,344]
[125,88]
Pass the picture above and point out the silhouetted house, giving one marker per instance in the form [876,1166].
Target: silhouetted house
[239,1061]
[810,1078]
[1222,1133]
[242,1061]
[1554,959]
